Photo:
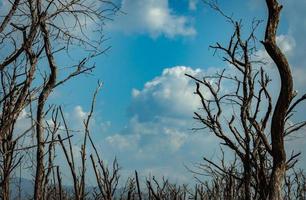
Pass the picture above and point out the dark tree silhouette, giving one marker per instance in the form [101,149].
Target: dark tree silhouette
[33,32]
[246,131]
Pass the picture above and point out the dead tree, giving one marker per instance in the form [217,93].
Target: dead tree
[283,102]
[107,178]
[246,130]
[224,180]
[33,33]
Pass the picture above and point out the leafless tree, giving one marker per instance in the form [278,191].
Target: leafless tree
[246,131]
[33,33]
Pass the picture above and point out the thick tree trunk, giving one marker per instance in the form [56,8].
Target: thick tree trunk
[7,151]
[6,189]
[247,181]
[283,101]
[276,181]
[40,169]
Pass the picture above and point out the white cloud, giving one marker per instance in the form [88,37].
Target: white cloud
[79,113]
[177,139]
[154,17]
[193,4]
[170,94]
[160,116]
[158,135]
[157,139]
[286,43]
[123,142]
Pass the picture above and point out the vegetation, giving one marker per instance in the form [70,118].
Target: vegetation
[35,32]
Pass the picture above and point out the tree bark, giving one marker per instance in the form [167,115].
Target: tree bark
[283,101]
[40,171]
[247,181]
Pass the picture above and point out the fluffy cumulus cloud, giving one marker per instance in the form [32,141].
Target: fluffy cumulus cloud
[171,93]
[158,138]
[154,17]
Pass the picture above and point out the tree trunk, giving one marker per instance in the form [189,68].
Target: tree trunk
[276,181]
[40,169]
[283,101]
[247,181]
[6,189]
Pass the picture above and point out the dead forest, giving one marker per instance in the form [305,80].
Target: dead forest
[32,35]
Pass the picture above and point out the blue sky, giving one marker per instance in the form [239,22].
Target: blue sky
[137,56]
[144,112]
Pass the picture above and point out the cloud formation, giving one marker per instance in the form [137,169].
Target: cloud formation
[154,17]
[158,137]
[170,94]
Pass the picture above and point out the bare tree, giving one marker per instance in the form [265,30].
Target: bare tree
[246,131]
[33,34]
[282,107]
